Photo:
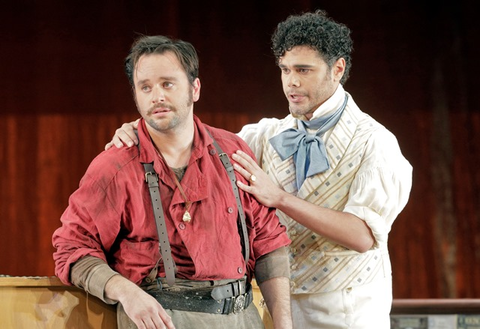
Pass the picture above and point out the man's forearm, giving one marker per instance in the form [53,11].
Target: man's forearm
[276,293]
[92,274]
[342,227]
[119,288]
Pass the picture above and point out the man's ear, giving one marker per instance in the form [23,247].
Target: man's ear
[196,89]
[338,69]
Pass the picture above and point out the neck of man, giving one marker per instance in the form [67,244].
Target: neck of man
[175,145]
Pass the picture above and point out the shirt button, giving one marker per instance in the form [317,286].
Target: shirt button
[240,270]
[213,152]
[181,226]
[294,267]
[230,210]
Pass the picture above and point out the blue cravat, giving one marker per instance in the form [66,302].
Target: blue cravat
[308,150]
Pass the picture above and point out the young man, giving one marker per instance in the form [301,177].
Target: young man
[212,240]
[336,176]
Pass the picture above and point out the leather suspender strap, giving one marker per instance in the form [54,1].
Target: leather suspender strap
[242,225]
[151,178]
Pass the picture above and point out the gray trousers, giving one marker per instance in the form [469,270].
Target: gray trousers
[247,319]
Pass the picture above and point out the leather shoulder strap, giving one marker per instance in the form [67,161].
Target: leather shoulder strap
[242,225]
[151,178]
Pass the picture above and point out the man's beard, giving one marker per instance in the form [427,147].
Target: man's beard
[177,119]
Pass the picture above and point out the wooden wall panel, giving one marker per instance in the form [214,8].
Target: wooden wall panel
[63,93]
[466,198]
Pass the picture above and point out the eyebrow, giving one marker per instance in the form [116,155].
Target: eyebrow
[162,78]
[299,66]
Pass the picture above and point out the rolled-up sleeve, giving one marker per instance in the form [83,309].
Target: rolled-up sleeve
[79,234]
[272,265]
[92,274]
[381,187]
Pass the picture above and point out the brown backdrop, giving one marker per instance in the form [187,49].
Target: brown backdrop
[63,92]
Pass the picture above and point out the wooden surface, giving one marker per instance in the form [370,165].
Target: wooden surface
[436,306]
[63,93]
[44,302]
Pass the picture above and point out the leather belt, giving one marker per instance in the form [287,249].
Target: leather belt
[233,297]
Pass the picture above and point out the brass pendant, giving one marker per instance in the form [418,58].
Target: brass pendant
[186,217]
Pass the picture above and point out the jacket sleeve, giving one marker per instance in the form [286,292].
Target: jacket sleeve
[89,226]
[382,186]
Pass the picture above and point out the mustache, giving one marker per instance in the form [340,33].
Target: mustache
[296,92]
[163,106]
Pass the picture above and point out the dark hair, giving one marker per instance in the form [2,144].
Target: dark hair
[159,44]
[316,30]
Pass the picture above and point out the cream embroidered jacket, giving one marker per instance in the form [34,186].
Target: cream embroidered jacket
[368,177]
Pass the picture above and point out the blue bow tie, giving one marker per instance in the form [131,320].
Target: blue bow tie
[308,150]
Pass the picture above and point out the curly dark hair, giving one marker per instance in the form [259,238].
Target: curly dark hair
[159,44]
[331,39]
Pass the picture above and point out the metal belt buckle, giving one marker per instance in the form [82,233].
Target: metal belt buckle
[239,304]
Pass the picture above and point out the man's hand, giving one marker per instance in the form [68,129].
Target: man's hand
[141,308]
[125,135]
[263,189]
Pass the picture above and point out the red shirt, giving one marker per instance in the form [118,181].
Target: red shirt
[110,216]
